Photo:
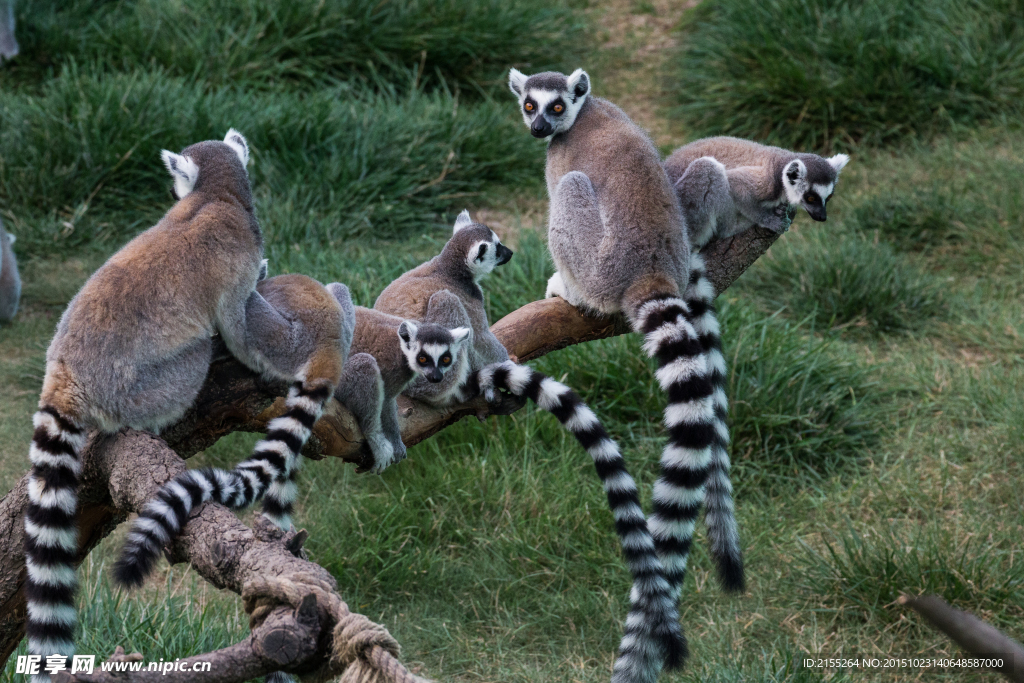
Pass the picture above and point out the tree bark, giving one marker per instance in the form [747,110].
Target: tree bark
[124,470]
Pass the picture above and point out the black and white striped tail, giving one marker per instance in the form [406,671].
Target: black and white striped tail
[51,533]
[719,511]
[653,637]
[269,471]
[690,419]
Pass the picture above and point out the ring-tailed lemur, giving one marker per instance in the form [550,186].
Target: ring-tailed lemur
[301,331]
[446,289]
[8,45]
[132,350]
[727,185]
[10,282]
[388,353]
[618,238]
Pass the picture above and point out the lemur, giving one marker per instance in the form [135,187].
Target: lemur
[132,349]
[10,282]
[388,353]
[302,332]
[8,45]
[727,185]
[446,289]
[617,235]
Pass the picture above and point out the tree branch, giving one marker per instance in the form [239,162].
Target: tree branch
[122,471]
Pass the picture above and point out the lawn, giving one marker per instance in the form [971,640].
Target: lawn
[876,361]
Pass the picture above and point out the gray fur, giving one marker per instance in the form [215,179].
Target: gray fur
[10,281]
[727,185]
[445,290]
[8,44]
[383,362]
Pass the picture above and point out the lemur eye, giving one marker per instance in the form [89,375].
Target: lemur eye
[558,109]
[446,359]
[422,360]
[528,106]
[811,198]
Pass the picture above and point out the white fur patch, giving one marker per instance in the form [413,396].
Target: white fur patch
[680,370]
[53,537]
[41,612]
[824,191]
[40,457]
[551,392]
[582,419]
[665,491]
[63,498]
[795,188]
[694,459]
[699,412]
[605,450]
[621,482]
[56,575]
[463,220]
[665,529]
[236,141]
[838,162]
[183,170]
[516,81]
[152,527]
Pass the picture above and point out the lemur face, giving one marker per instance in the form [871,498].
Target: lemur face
[484,250]
[431,350]
[811,186]
[549,101]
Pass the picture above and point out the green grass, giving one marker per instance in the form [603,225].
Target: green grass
[304,43]
[870,456]
[833,74]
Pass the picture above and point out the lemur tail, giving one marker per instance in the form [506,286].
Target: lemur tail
[719,512]
[51,533]
[695,462]
[653,636]
[270,471]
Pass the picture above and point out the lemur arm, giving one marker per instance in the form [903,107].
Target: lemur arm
[747,184]
[391,428]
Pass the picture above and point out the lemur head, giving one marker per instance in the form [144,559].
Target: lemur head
[222,163]
[431,350]
[810,181]
[476,246]
[550,100]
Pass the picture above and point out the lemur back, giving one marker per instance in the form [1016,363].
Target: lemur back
[10,281]
[388,352]
[618,237]
[301,332]
[727,185]
[132,350]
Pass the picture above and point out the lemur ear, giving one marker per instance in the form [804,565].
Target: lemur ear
[236,141]
[516,82]
[462,221]
[579,83]
[10,238]
[795,170]
[459,334]
[838,162]
[264,270]
[184,171]
[407,331]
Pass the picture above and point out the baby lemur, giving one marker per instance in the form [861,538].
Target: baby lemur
[10,282]
[302,332]
[388,353]
[727,185]
[447,289]
[618,238]
[132,350]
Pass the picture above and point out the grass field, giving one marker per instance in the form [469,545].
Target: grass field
[876,361]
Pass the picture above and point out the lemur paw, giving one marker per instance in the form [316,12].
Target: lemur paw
[781,218]
[556,287]
[377,454]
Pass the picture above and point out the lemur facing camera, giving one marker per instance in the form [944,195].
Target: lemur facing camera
[302,332]
[618,238]
[727,185]
[133,349]
[388,353]
[10,282]
[446,288]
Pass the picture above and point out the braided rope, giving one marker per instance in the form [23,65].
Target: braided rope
[362,650]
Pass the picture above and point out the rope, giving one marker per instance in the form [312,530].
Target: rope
[364,651]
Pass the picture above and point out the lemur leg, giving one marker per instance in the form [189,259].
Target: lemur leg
[447,310]
[707,204]
[392,430]
[575,236]
[746,192]
[361,390]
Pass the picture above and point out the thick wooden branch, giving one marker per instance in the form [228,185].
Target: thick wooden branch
[971,633]
[124,470]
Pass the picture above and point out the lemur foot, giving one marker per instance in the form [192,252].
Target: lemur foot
[381,454]
[781,218]
[556,287]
